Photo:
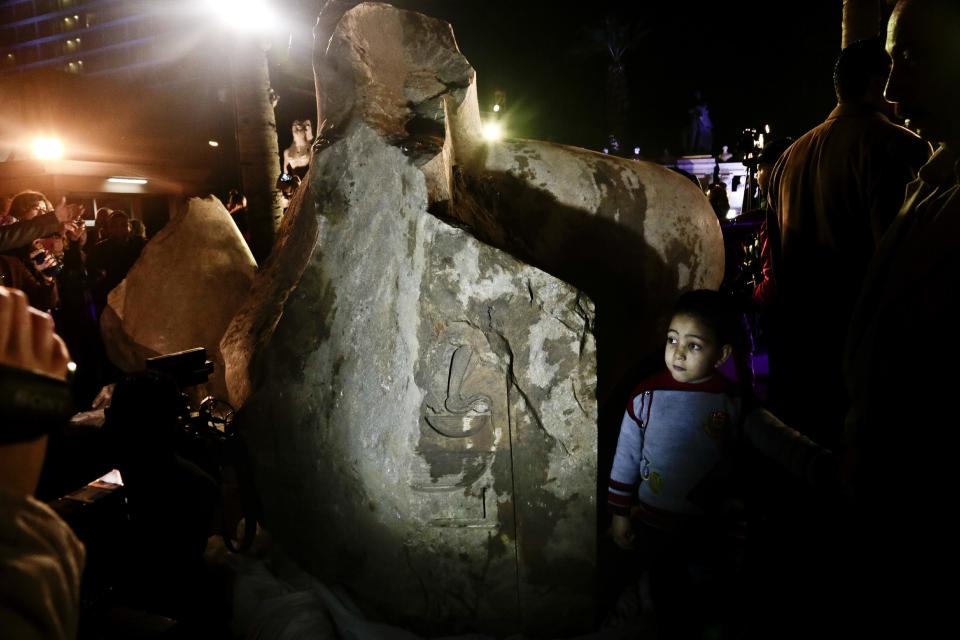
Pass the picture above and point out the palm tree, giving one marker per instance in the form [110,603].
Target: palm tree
[862,19]
[616,37]
[257,146]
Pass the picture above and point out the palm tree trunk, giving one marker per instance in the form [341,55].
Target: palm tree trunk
[257,147]
[618,99]
[861,19]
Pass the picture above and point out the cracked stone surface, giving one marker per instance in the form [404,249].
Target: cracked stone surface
[423,413]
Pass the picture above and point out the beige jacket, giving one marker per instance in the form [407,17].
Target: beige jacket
[41,562]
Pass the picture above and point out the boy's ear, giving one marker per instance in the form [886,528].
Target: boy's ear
[725,352]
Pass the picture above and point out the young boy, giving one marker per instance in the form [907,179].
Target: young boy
[680,426]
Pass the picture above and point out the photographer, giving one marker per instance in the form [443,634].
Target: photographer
[36,218]
[33,269]
[41,560]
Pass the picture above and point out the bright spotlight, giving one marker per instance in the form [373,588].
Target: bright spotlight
[492,131]
[731,214]
[496,108]
[47,149]
[213,143]
[244,15]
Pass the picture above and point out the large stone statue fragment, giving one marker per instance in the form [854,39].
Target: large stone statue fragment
[182,292]
[419,394]
[633,235]
[423,412]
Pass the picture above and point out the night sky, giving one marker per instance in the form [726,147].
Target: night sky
[755,62]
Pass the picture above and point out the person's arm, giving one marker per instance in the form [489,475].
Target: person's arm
[624,477]
[20,234]
[792,450]
[765,292]
[41,560]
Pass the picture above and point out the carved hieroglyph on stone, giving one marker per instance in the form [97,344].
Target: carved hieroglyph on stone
[420,396]
[182,292]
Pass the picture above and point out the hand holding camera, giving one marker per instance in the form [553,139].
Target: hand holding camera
[68,212]
[46,264]
[34,394]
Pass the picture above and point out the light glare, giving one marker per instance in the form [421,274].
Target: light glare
[492,131]
[243,15]
[47,149]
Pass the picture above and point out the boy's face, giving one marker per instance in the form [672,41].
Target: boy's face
[692,353]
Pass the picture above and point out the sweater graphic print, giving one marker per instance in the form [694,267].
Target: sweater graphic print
[672,436]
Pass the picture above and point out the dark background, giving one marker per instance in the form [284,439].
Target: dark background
[755,62]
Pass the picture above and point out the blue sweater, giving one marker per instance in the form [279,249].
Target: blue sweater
[672,436]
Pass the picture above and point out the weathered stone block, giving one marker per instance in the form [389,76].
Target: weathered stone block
[423,414]
[182,292]
[421,401]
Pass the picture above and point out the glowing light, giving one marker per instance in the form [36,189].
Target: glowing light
[636,151]
[731,214]
[71,368]
[111,477]
[243,15]
[213,143]
[123,180]
[496,108]
[766,128]
[47,149]
[492,131]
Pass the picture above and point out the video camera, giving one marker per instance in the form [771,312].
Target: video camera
[213,417]
[31,404]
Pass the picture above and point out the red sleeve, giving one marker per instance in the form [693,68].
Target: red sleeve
[765,293]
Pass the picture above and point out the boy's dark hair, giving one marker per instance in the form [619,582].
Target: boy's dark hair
[721,316]
[857,65]
[714,310]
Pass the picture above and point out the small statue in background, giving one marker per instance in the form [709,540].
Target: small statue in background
[296,157]
[698,134]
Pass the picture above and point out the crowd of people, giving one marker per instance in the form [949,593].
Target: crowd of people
[67,268]
[858,290]
[855,291]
